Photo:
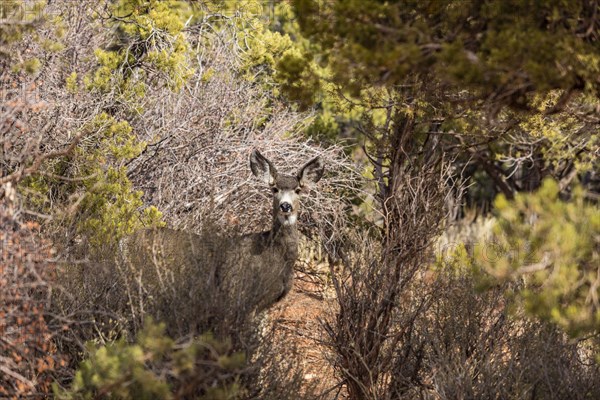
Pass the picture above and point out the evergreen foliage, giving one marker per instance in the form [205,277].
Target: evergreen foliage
[552,246]
[503,50]
[155,367]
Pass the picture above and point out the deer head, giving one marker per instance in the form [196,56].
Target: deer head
[286,189]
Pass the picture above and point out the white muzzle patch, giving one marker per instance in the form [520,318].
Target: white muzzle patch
[287,220]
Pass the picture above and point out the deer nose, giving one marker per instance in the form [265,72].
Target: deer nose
[285,207]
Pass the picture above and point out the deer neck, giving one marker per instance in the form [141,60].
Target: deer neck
[286,237]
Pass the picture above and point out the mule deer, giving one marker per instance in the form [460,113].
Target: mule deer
[253,271]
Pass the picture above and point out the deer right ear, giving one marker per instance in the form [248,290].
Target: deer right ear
[262,168]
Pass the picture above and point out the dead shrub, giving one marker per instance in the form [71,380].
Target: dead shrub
[446,338]
[373,333]
[28,357]
[479,345]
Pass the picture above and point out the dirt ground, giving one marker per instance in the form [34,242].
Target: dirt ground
[299,316]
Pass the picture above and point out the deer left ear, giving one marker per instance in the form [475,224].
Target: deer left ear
[311,172]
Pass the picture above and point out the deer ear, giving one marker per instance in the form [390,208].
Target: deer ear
[311,172]
[262,168]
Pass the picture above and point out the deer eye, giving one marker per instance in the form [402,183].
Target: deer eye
[298,190]
[275,190]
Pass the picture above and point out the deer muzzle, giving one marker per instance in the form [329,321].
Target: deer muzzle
[285,207]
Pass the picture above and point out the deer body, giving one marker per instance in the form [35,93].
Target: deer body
[253,271]
[268,258]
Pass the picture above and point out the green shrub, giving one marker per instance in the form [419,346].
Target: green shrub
[553,247]
[157,367]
